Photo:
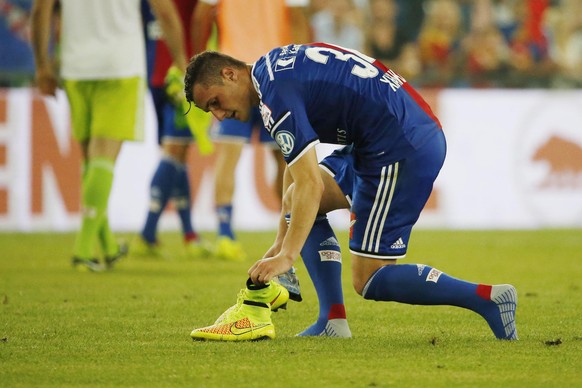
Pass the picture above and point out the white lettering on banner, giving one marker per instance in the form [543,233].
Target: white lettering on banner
[40,175]
[529,182]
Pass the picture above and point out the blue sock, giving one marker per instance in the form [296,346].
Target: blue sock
[182,201]
[322,258]
[160,190]
[224,213]
[423,285]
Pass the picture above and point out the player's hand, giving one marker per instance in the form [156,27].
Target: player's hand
[266,269]
[273,251]
[46,81]
[174,85]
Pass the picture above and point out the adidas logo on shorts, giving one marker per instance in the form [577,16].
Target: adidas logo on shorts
[399,244]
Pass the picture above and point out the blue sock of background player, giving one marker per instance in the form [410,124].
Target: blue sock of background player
[224,213]
[423,285]
[322,258]
[183,203]
[161,189]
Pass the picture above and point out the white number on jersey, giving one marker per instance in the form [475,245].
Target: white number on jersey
[364,68]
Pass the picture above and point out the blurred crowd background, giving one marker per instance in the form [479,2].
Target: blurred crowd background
[432,43]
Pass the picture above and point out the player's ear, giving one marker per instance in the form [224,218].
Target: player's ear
[228,73]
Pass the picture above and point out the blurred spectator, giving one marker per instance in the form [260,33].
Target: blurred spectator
[16,59]
[443,43]
[386,42]
[529,62]
[485,52]
[564,25]
[382,35]
[410,18]
[486,55]
[339,22]
[439,42]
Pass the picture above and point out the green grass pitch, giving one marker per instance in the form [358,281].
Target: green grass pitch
[131,326]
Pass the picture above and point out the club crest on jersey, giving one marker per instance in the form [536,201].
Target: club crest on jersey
[286,142]
[285,64]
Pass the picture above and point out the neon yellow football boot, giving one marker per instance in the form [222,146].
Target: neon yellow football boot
[228,249]
[197,249]
[141,248]
[249,319]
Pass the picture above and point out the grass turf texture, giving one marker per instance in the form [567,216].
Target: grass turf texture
[131,326]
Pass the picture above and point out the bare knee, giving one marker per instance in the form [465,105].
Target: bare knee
[363,268]
[178,152]
[359,284]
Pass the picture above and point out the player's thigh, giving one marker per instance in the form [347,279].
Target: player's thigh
[159,100]
[79,97]
[233,131]
[176,136]
[387,203]
[118,109]
[338,177]
[364,267]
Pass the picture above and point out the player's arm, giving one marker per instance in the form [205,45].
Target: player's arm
[307,195]
[41,17]
[285,209]
[172,30]
[202,19]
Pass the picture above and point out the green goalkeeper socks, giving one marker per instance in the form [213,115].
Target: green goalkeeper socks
[96,187]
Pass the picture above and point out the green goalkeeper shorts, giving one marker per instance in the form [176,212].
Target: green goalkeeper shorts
[107,109]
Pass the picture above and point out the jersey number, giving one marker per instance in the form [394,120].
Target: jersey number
[363,68]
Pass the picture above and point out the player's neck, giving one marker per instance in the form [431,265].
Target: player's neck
[253,92]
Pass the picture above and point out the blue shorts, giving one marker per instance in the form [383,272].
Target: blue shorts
[230,130]
[168,129]
[386,205]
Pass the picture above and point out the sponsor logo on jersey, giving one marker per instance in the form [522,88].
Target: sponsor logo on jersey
[286,142]
[420,268]
[330,256]
[285,64]
[433,275]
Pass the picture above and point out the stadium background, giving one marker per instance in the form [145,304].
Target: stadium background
[504,78]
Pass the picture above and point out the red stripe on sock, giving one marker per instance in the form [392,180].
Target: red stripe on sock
[484,291]
[337,311]
[190,236]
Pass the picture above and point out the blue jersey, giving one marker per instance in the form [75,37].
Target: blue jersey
[323,93]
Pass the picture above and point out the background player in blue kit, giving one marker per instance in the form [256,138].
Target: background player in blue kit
[170,180]
[395,149]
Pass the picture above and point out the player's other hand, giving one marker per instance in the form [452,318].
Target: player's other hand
[174,85]
[46,81]
[266,269]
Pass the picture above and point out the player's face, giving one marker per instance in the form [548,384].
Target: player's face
[229,100]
